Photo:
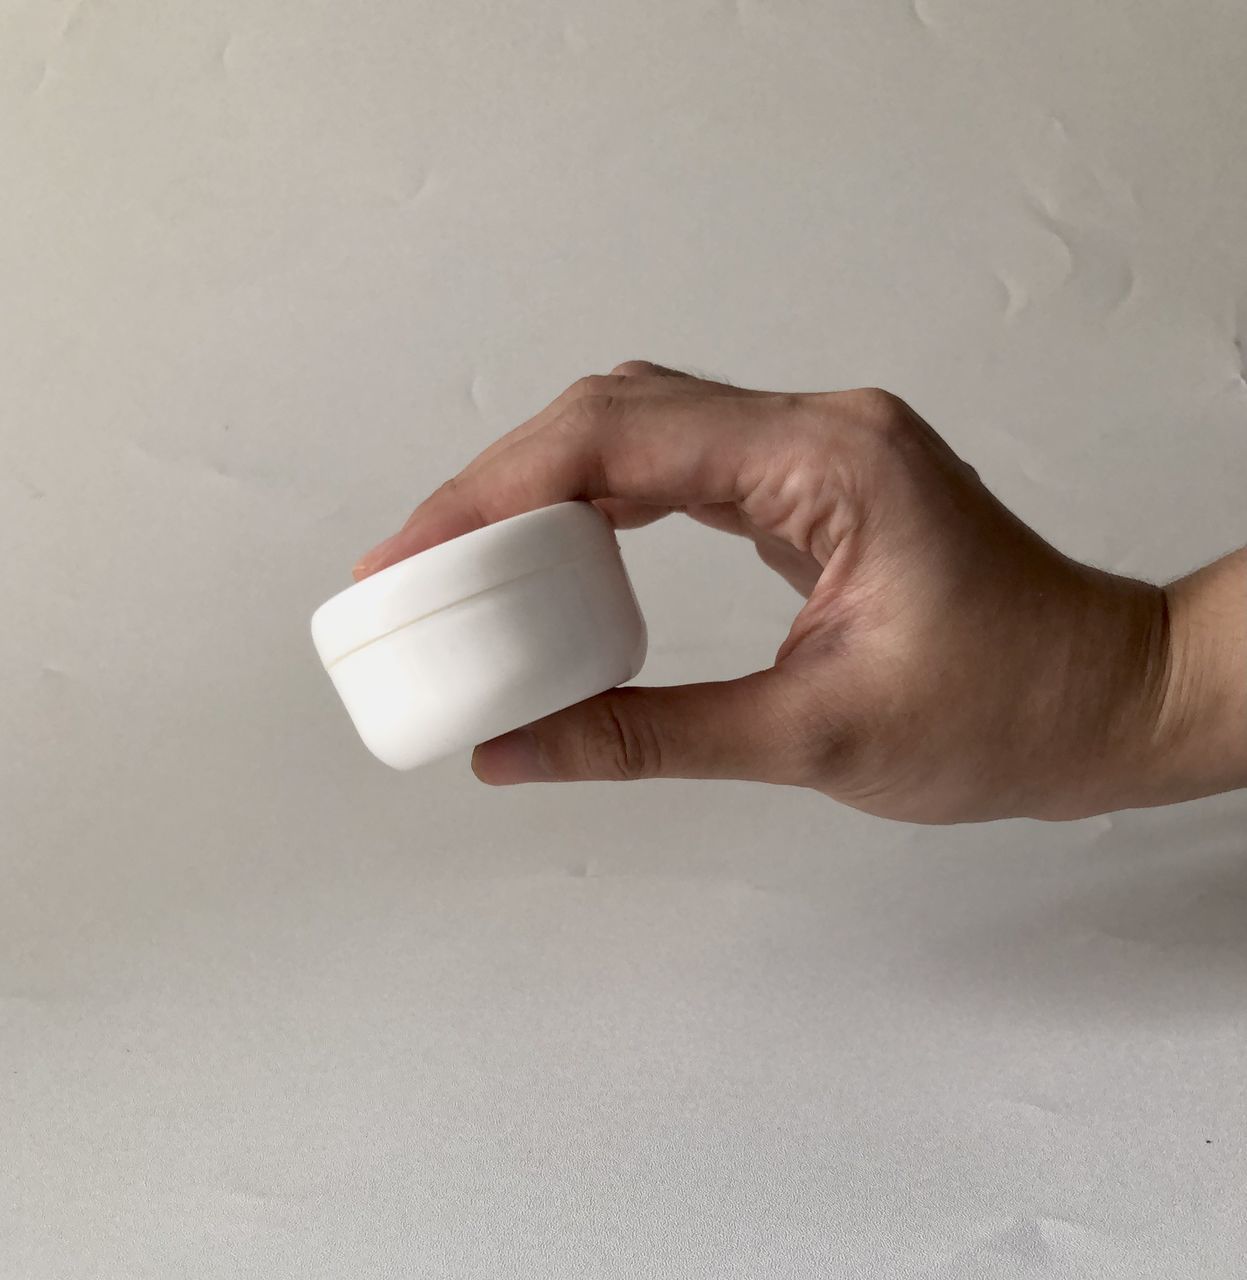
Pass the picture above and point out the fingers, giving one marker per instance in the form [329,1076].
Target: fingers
[631,515]
[614,383]
[647,368]
[664,451]
[743,729]
[631,379]
[635,515]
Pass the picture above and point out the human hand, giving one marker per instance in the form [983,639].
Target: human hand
[947,664]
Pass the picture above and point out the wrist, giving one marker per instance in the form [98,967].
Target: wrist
[1156,689]
[1202,721]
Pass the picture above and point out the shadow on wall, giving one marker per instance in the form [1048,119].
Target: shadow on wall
[1149,921]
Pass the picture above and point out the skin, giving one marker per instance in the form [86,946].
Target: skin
[946,664]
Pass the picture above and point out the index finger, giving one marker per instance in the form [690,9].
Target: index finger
[666,450]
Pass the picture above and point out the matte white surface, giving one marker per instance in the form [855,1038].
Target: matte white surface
[482,634]
[269,270]
[421,585]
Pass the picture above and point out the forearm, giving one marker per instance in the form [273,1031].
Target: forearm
[1203,719]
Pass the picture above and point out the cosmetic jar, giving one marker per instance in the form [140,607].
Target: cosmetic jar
[482,634]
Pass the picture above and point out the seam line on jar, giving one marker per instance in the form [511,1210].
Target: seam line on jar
[432,613]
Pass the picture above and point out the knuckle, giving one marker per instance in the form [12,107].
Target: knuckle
[883,421]
[593,386]
[882,410]
[590,412]
[450,485]
[619,745]
[455,492]
[878,407]
[634,368]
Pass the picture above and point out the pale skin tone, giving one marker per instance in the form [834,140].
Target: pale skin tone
[946,664]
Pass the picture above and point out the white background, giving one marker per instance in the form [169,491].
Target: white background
[271,269]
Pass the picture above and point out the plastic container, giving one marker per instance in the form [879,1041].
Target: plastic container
[482,634]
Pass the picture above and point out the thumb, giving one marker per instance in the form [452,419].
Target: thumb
[744,728]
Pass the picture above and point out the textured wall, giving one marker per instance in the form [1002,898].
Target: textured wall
[269,269]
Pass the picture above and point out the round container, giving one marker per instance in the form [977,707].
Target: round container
[482,634]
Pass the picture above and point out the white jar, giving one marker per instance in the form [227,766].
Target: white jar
[482,634]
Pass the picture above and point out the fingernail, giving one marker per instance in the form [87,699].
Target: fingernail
[512,758]
[372,559]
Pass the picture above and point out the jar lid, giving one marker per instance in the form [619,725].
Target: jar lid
[465,566]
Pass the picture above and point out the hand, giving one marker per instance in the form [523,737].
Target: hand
[947,663]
